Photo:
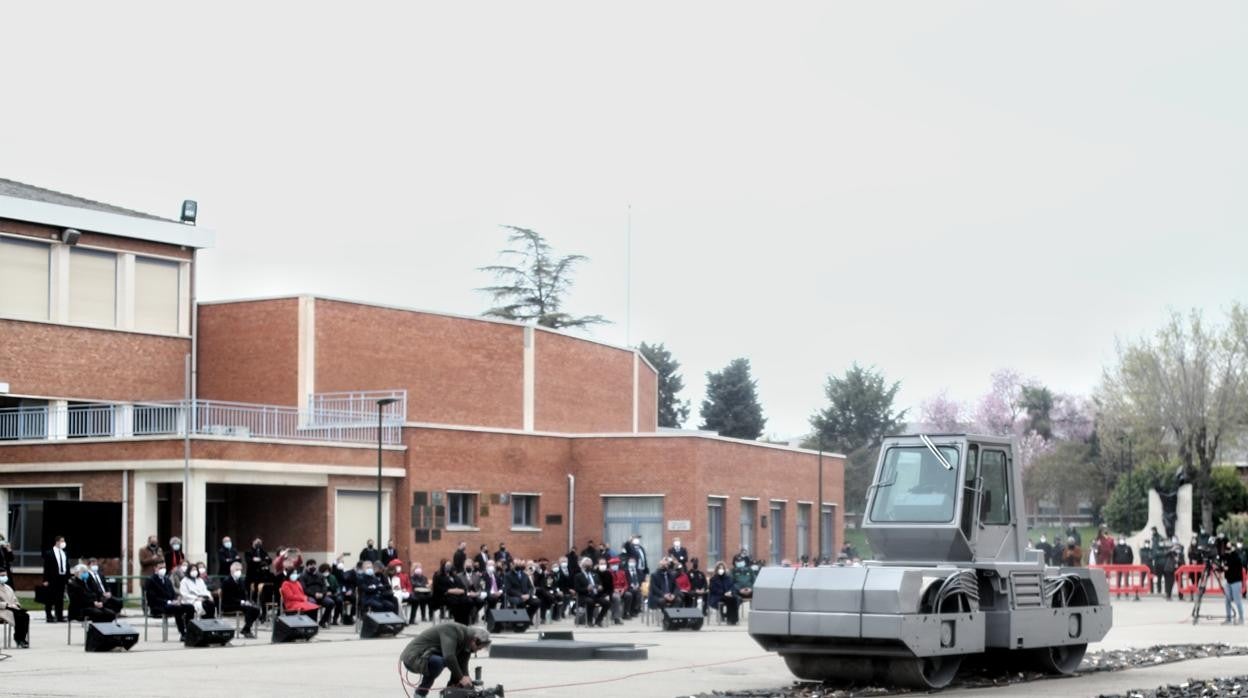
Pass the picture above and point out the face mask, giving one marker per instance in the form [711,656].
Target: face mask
[61,545]
[194,573]
[676,545]
[370,546]
[85,576]
[563,567]
[228,545]
[294,576]
[160,572]
[615,568]
[1122,541]
[1042,539]
[602,568]
[740,565]
[719,571]
[236,574]
[176,546]
[182,569]
[632,565]
[152,544]
[754,568]
[95,568]
[4,579]
[398,569]
[369,571]
[636,541]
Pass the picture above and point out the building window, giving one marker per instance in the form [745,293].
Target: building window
[825,524]
[749,514]
[92,287]
[27,533]
[803,531]
[524,511]
[714,531]
[25,279]
[156,295]
[461,509]
[777,532]
[624,516]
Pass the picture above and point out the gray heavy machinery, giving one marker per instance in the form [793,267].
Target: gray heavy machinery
[953,578]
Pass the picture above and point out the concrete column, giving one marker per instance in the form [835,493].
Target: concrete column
[58,308]
[530,376]
[306,353]
[125,291]
[195,538]
[123,420]
[58,419]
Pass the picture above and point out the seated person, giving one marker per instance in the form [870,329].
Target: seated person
[698,585]
[445,646]
[606,590]
[743,578]
[334,591]
[96,583]
[317,591]
[84,603]
[294,600]
[636,579]
[545,585]
[163,600]
[589,594]
[683,585]
[723,592]
[234,598]
[663,591]
[620,586]
[348,583]
[374,592]
[11,612]
[194,591]
[492,585]
[519,589]
[400,585]
[422,594]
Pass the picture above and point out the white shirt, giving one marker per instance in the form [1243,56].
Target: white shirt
[60,559]
[192,590]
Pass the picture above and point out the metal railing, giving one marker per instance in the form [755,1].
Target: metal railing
[359,405]
[204,417]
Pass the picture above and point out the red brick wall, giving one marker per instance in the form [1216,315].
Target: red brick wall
[647,397]
[582,386]
[249,351]
[455,370]
[81,363]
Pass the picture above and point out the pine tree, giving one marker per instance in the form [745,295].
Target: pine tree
[731,406]
[672,410]
[534,289]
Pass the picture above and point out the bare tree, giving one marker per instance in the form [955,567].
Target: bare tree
[1188,383]
[534,288]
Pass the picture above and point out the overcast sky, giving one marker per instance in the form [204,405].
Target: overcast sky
[936,189]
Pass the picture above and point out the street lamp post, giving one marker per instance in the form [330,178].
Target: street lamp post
[819,503]
[381,404]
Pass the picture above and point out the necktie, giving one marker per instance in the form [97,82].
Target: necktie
[493,584]
[60,561]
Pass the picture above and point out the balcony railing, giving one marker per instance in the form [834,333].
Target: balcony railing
[202,417]
[359,405]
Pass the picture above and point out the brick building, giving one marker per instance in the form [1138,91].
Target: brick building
[117,386]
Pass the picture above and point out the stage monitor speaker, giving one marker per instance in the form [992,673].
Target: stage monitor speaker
[208,631]
[678,618]
[498,620]
[104,637]
[384,624]
[291,628]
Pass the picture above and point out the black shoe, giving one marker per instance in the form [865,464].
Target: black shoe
[616,621]
[249,635]
[23,645]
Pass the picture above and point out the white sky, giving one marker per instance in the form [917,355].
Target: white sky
[937,189]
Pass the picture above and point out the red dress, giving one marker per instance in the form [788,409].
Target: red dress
[294,599]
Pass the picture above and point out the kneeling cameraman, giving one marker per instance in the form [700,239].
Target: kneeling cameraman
[444,646]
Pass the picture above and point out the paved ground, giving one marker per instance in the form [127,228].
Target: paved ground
[681,663]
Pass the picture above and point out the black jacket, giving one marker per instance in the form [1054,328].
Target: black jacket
[1123,555]
[313,584]
[661,584]
[457,560]
[606,582]
[388,554]
[373,587]
[81,596]
[227,557]
[516,584]
[682,554]
[50,572]
[370,554]
[233,592]
[159,591]
[638,553]
[257,564]
[502,556]
[582,583]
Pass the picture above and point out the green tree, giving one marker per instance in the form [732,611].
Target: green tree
[1036,402]
[858,417]
[535,287]
[731,406]
[1064,475]
[1229,494]
[1126,510]
[672,410]
[1188,382]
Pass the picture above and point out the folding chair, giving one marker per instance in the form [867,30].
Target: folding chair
[8,633]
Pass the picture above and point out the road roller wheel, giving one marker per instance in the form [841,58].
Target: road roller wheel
[831,669]
[924,673]
[1060,659]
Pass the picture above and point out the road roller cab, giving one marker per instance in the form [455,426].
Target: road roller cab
[951,577]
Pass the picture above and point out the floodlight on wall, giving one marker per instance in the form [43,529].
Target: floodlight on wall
[69,236]
[190,210]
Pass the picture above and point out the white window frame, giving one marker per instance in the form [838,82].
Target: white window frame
[476,498]
[535,510]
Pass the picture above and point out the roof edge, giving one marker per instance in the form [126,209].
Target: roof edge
[91,220]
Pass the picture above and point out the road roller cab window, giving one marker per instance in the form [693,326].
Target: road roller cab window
[915,487]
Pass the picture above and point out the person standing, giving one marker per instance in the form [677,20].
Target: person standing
[389,554]
[1072,556]
[1046,549]
[634,550]
[1233,573]
[1146,559]
[11,611]
[150,557]
[678,552]
[370,553]
[176,557]
[55,577]
[227,555]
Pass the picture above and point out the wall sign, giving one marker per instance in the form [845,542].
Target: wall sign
[679,525]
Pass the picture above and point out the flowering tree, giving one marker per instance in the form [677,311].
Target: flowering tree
[941,414]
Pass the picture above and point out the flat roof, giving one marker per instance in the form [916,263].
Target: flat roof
[25,202]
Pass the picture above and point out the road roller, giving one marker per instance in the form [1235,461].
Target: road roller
[953,578]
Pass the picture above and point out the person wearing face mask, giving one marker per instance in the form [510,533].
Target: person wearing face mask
[389,553]
[348,588]
[460,556]
[193,590]
[374,591]
[178,574]
[56,568]
[176,557]
[621,593]
[400,584]
[589,594]
[606,589]
[422,594]
[1046,550]
[545,585]
[1123,555]
[234,599]
[96,584]
[84,604]
[150,556]
[227,555]
[723,594]
[635,579]
[163,600]
[663,591]
[564,579]
[452,593]
[473,581]
[370,553]
[294,600]
[11,611]
[519,591]
[333,591]
[698,585]
[493,586]
[1072,556]
[316,590]
[259,576]
[502,556]
[743,579]
[678,552]
[634,550]
[744,556]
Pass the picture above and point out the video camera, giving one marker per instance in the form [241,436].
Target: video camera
[478,689]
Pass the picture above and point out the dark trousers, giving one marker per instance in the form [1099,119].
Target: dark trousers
[94,615]
[251,613]
[113,604]
[180,612]
[56,599]
[420,601]
[433,667]
[602,604]
[531,606]
[210,608]
[732,609]
[21,625]
[380,606]
[1169,579]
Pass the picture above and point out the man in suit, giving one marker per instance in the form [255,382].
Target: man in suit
[678,552]
[635,551]
[96,584]
[589,593]
[503,556]
[663,590]
[483,558]
[375,594]
[634,578]
[519,590]
[389,553]
[55,577]
[460,556]
[227,555]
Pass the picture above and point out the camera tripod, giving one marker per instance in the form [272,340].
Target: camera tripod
[1210,570]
